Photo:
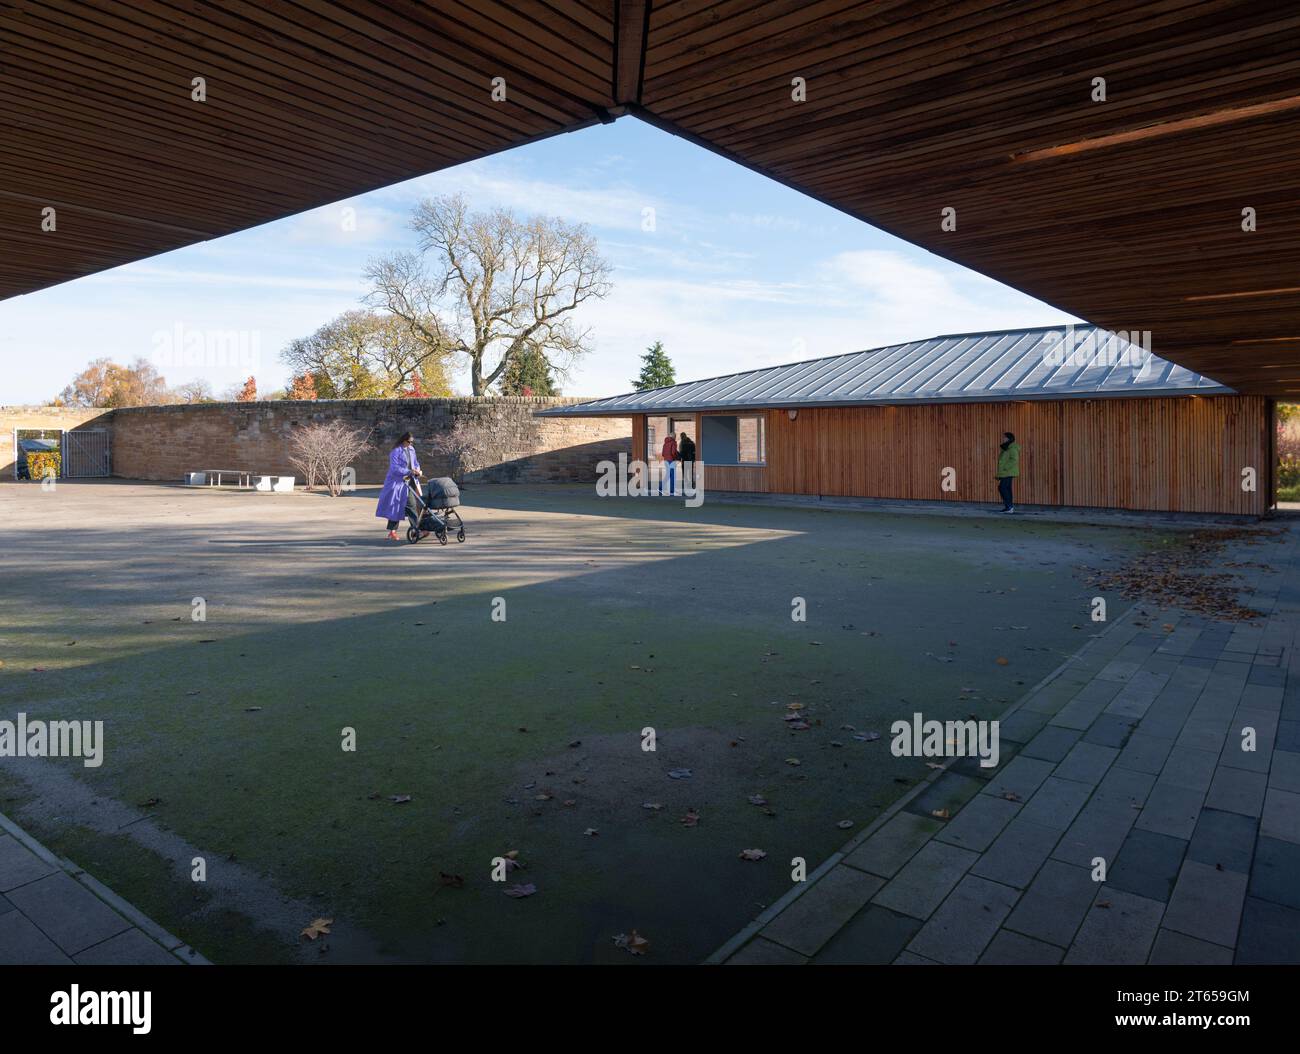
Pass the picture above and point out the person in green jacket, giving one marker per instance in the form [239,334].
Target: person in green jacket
[1008,469]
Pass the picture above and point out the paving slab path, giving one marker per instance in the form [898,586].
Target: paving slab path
[1146,809]
[54,913]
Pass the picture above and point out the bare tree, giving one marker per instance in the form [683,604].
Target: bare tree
[490,286]
[196,391]
[461,446]
[324,450]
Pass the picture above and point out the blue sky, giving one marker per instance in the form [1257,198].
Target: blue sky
[739,272]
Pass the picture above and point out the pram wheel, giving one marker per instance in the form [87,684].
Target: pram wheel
[460,535]
[412,535]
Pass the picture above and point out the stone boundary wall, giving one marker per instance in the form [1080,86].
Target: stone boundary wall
[165,442]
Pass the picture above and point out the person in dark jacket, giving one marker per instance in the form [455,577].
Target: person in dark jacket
[1008,469]
[686,455]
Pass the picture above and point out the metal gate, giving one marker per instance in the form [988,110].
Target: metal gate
[86,453]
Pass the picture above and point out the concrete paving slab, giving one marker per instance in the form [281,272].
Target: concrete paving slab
[810,921]
[72,916]
[1055,903]
[19,865]
[926,880]
[1206,903]
[896,842]
[964,924]
[1015,949]
[1119,928]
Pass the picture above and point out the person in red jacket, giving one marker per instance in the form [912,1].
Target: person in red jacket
[669,454]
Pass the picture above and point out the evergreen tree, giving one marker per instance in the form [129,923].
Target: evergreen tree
[656,369]
[529,374]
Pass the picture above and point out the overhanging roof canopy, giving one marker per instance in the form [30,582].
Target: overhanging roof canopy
[1127,212]
[1063,363]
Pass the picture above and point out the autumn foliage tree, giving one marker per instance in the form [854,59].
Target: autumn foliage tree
[303,388]
[416,389]
[248,393]
[105,383]
[365,354]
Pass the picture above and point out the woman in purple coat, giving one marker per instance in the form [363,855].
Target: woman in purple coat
[392,499]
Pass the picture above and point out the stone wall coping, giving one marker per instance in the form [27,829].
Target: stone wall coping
[301,404]
[56,409]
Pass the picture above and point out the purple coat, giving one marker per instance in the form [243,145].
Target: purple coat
[392,499]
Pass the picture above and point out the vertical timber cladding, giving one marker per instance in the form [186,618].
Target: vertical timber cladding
[639,451]
[1179,454]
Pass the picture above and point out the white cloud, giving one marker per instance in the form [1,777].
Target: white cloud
[616,207]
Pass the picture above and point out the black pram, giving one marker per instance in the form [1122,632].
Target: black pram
[433,510]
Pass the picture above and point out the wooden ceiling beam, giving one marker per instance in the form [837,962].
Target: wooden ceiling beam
[632,21]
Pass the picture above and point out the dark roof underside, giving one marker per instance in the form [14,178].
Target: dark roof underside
[1127,212]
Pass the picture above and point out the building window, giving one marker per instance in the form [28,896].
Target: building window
[734,440]
[751,440]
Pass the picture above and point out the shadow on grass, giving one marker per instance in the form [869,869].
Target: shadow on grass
[527,734]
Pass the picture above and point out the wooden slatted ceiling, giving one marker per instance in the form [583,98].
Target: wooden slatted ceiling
[308,102]
[913,105]
[916,106]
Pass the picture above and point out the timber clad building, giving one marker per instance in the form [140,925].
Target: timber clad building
[1101,421]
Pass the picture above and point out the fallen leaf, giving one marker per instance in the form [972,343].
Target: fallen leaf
[591,832]
[399,799]
[317,928]
[752,854]
[679,774]
[844,825]
[1002,661]
[526,890]
[632,942]
[940,814]
[757,799]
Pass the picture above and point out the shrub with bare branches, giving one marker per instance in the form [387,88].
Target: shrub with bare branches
[325,450]
[461,446]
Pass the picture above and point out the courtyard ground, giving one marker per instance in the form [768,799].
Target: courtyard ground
[223,736]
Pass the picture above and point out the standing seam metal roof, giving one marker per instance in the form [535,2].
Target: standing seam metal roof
[1064,362]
